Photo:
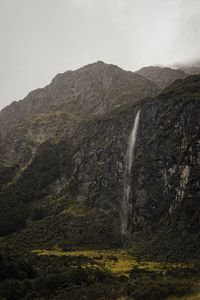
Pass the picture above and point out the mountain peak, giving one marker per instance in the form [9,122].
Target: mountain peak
[98,87]
[90,90]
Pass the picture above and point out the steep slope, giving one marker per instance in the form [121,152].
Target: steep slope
[71,190]
[162,76]
[166,171]
[71,96]
[41,137]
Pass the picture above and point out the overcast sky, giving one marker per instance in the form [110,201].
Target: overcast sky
[40,38]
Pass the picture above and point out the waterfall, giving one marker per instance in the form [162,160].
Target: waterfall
[127,178]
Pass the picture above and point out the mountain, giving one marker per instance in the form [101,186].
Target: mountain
[43,140]
[162,76]
[100,188]
[71,96]
[63,164]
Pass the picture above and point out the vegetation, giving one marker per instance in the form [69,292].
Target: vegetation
[16,199]
[92,275]
[117,261]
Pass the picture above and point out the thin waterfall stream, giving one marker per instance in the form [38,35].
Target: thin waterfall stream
[127,178]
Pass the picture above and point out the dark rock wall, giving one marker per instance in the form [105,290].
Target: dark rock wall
[165,171]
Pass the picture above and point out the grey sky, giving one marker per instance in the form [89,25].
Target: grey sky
[40,38]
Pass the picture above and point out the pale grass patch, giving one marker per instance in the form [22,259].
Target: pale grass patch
[116,261]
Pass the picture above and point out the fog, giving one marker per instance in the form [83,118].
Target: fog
[40,38]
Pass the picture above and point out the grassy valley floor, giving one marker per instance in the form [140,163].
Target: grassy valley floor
[130,278]
[118,261]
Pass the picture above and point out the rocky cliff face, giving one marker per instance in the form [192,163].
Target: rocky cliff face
[64,174]
[165,179]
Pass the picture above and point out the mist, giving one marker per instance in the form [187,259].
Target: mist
[42,38]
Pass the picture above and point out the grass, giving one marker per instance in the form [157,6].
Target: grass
[118,261]
[98,274]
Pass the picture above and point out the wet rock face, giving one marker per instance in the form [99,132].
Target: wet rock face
[165,168]
[165,173]
[98,175]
